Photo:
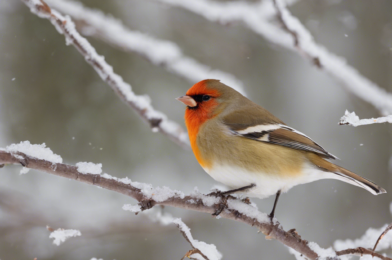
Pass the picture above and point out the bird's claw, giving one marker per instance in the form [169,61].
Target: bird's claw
[221,206]
[223,201]
[271,217]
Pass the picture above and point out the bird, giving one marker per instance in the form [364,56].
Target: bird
[245,147]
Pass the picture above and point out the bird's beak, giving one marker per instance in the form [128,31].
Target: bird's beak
[187,100]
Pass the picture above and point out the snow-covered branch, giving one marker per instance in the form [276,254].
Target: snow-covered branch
[148,196]
[140,104]
[43,159]
[293,36]
[161,53]
[353,119]
[360,251]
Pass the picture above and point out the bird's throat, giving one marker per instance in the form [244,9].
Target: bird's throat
[194,121]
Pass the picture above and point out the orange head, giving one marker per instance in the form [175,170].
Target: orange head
[201,100]
[205,100]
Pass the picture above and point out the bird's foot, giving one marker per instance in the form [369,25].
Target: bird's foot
[222,205]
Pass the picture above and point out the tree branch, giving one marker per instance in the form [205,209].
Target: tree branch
[159,52]
[147,196]
[293,36]
[140,104]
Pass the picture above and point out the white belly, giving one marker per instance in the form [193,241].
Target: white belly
[266,184]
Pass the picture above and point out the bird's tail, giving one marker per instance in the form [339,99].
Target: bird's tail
[354,179]
[339,173]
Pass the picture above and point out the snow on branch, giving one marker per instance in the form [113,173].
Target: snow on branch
[159,52]
[39,151]
[89,167]
[149,196]
[353,119]
[293,36]
[140,104]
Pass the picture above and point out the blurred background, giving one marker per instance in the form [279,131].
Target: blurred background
[49,94]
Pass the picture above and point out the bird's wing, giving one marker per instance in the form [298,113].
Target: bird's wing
[264,127]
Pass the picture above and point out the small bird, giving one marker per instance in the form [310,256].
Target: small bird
[245,147]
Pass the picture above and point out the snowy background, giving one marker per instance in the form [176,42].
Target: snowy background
[49,94]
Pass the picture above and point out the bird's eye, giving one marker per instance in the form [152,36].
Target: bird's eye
[206,97]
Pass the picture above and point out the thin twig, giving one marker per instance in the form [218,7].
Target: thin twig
[360,251]
[140,104]
[195,202]
[192,252]
[389,227]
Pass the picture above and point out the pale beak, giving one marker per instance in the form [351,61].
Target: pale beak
[187,100]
